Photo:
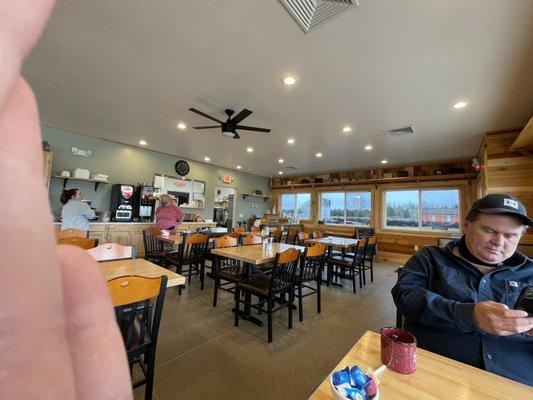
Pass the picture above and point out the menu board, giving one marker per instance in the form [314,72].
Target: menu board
[190,194]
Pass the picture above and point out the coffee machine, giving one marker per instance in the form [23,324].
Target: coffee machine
[144,203]
[122,203]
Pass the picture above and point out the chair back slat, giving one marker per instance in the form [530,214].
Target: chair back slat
[284,270]
[151,243]
[225,241]
[312,262]
[67,233]
[359,251]
[112,252]
[193,249]
[252,239]
[276,235]
[82,242]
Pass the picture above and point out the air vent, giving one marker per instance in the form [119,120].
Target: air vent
[311,13]
[293,167]
[392,133]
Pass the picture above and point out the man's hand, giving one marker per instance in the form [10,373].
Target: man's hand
[497,319]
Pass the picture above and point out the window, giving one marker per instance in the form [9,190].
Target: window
[431,209]
[296,206]
[351,208]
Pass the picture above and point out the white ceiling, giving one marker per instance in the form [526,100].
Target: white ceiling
[129,69]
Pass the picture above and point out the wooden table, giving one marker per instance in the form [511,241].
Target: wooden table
[330,242]
[436,377]
[253,255]
[140,267]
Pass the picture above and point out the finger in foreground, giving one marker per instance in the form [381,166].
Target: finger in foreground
[98,355]
[35,361]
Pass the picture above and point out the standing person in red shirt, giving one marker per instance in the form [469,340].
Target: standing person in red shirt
[168,214]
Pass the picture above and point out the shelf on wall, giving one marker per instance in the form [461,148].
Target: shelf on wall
[245,195]
[425,178]
[67,178]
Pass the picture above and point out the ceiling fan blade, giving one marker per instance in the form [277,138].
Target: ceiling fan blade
[240,116]
[252,128]
[194,110]
[206,127]
[236,135]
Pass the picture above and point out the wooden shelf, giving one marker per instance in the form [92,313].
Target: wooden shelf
[65,179]
[245,195]
[470,175]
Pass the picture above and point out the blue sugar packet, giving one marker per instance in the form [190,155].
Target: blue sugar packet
[359,379]
[340,377]
[356,394]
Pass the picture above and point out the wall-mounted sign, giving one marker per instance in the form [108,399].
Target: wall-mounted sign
[226,178]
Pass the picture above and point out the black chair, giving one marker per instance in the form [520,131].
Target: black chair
[266,288]
[310,269]
[154,250]
[276,235]
[190,257]
[348,267]
[292,236]
[226,271]
[138,308]
[368,258]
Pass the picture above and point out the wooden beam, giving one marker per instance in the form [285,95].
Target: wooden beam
[524,141]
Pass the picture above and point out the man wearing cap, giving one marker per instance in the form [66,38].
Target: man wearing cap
[459,300]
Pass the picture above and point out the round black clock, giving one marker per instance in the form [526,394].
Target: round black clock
[182,167]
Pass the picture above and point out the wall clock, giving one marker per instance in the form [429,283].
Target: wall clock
[182,167]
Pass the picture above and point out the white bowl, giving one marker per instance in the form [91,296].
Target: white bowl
[338,396]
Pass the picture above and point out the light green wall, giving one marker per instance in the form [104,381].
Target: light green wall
[130,165]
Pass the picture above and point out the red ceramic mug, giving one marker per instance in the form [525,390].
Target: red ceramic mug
[398,350]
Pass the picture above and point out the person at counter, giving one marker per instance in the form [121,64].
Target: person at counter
[168,214]
[75,214]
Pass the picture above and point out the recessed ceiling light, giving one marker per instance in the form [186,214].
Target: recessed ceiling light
[289,80]
[142,142]
[239,167]
[368,147]
[347,129]
[318,155]
[281,160]
[384,161]
[207,159]
[291,141]
[460,104]
[250,149]
[181,125]
[249,169]
[280,172]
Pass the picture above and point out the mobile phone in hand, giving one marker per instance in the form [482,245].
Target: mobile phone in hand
[525,300]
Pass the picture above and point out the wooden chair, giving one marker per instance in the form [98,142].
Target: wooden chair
[291,237]
[348,267]
[310,269]
[276,235]
[226,271]
[192,252]
[82,242]
[302,238]
[138,309]
[239,229]
[154,250]
[112,252]
[369,253]
[266,288]
[252,239]
[67,233]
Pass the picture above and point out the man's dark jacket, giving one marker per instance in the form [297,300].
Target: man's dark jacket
[436,293]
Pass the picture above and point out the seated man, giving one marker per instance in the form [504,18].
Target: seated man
[459,300]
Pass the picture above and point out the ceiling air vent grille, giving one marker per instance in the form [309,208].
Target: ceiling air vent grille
[311,13]
[392,133]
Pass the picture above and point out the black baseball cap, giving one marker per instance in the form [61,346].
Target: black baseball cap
[497,203]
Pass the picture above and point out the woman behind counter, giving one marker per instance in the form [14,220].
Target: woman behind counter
[168,215]
[75,214]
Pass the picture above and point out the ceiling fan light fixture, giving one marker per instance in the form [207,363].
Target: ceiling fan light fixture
[228,134]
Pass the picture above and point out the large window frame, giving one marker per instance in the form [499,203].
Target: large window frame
[421,227]
[296,205]
[346,193]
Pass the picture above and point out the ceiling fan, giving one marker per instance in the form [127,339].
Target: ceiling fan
[229,128]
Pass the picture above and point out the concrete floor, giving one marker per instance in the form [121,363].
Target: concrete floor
[201,355]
